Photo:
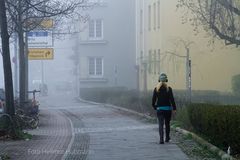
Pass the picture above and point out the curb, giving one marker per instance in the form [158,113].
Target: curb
[71,141]
[90,102]
[211,147]
[119,108]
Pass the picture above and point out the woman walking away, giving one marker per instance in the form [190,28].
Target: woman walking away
[163,102]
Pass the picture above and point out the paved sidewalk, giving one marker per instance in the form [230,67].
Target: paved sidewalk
[90,132]
[115,135]
[49,141]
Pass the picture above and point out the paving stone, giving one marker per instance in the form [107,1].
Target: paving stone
[116,136]
[49,141]
[90,132]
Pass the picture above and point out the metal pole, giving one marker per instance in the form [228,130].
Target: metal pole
[190,80]
[26,57]
[77,65]
[42,69]
[138,78]
[188,76]
[145,76]
[187,68]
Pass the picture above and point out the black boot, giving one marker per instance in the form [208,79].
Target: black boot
[167,139]
[161,141]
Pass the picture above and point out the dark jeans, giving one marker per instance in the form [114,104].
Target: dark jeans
[164,116]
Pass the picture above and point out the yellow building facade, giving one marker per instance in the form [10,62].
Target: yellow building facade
[162,41]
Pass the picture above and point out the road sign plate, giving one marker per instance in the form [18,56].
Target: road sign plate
[40,38]
[46,23]
[40,53]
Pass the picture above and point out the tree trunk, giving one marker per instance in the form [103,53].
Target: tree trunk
[22,77]
[26,67]
[22,65]
[6,60]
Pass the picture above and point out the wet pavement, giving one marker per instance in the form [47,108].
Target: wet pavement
[73,130]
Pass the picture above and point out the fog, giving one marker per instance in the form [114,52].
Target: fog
[104,49]
[53,72]
[95,72]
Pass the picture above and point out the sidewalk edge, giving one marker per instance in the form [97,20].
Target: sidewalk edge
[120,108]
[211,147]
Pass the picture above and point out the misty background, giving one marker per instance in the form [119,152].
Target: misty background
[119,51]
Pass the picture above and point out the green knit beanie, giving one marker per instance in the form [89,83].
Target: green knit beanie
[163,78]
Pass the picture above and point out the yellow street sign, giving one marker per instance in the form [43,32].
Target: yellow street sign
[46,23]
[40,53]
[40,23]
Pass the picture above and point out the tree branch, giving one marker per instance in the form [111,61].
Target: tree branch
[231,40]
[228,6]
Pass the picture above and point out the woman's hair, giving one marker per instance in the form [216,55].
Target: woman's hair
[160,84]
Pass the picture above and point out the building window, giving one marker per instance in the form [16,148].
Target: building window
[158,12]
[154,16]
[95,66]
[149,18]
[96,29]
[91,29]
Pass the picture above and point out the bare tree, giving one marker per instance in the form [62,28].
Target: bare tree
[22,16]
[26,15]
[220,18]
[6,59]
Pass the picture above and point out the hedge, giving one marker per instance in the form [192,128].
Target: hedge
[236,85]
[131,99]
[5,125]
[219,124]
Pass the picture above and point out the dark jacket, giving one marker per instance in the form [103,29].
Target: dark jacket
[163,97]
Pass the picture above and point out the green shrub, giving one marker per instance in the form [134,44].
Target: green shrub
[5,157]
[5,125]
[236,85]
[207,96]
[182,117]
[131,99]
[220,124]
